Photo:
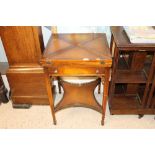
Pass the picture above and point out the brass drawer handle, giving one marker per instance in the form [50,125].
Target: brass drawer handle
[102,62]
[48,62]
[55,71]
[97,71]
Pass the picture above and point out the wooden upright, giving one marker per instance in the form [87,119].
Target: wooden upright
[24,46]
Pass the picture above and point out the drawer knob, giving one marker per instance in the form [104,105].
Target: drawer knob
[55,71]
[48,62]
[97,71]
[102,62]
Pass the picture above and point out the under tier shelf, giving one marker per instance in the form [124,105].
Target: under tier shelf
[122,104]
[127,76]
[125,102]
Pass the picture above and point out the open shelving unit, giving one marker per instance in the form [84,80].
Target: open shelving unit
[132,87]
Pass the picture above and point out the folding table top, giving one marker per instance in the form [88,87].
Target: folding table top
[89,47]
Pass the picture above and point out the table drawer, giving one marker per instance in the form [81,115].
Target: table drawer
[73,71]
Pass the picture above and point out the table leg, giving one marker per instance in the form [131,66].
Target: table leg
[105,82]
[59,85]
[99,87]
[50,96]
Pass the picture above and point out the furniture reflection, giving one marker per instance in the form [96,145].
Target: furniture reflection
[77,55]
[132,84]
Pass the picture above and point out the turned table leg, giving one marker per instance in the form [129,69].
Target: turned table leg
[50,96]
[99,87]
[105,82]
[59,85]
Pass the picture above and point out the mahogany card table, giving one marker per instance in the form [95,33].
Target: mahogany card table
[77,55]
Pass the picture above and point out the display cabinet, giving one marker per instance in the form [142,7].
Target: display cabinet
[132,82]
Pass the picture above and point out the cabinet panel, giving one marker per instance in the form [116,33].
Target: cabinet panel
[27,86]
[22,44]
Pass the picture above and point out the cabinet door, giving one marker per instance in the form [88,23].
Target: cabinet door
[22,44]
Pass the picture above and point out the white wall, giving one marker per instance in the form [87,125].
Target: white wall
[3,57]
[86,29]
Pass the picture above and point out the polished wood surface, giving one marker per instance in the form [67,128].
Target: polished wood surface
[74,92]
[132,84]
[21,44]
[78,55]
[27,85]
[78,47]
[24,46]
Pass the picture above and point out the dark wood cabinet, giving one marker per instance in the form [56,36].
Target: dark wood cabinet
[132,81]
[24,46]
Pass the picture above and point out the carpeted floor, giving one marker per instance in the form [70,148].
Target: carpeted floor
[40,117]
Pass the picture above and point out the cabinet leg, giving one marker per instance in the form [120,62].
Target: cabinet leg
[140,116]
